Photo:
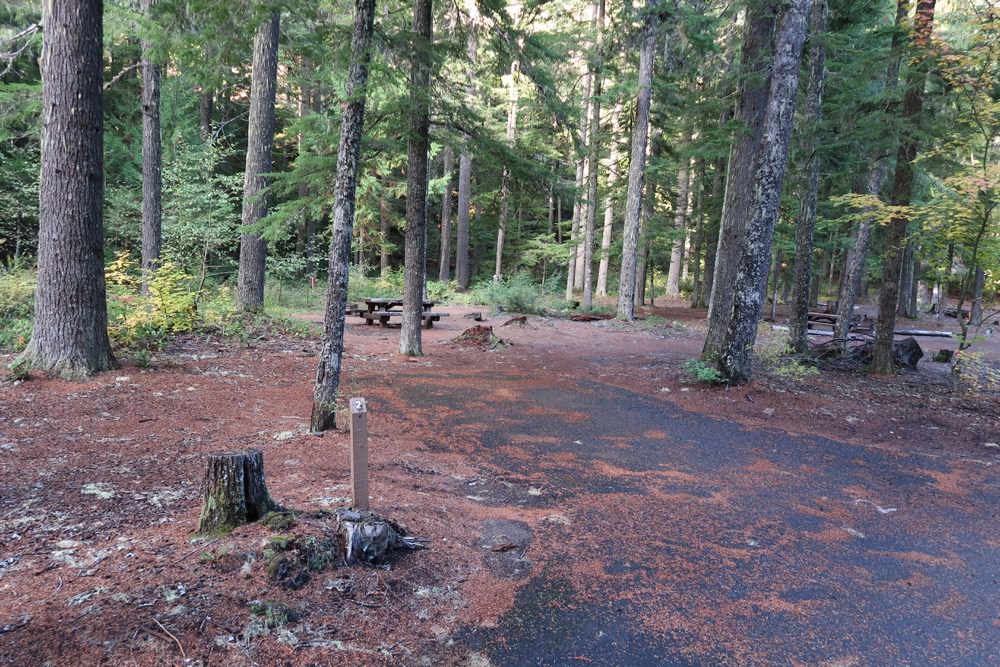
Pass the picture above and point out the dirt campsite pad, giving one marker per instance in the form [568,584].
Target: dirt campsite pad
[583,503]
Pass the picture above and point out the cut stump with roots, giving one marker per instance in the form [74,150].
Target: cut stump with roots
[235,492]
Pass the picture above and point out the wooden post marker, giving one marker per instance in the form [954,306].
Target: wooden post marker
[359,453]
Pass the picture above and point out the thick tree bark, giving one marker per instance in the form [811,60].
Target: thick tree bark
[416,181]
[609,203]
[806,223]
[636,171]
[345,187]
[751,276]
[235,492]
[444,268]
[260,144]
[680,221]
[907,283]
[70,333]
[505,179]
[152,173]
[742,171]
[594,153]
[462,273]
[902,189]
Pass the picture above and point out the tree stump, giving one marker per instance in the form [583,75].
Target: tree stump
[235,491]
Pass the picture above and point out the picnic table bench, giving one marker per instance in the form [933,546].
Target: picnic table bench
[381,310]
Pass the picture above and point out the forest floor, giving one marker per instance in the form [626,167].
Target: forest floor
[585,502]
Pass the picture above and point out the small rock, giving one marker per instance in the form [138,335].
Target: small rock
[122,378]
[991,445]
[284,435]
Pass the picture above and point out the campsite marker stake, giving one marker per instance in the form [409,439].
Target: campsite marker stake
[359,453]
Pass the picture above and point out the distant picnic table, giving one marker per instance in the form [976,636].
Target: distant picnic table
[383,310]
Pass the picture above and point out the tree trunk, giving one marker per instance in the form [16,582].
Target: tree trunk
[806,223]
[712,235]
[636,171]
[260,143]
[152,173]
[609,203]
[735,362]
[462,234]
[594,151]
[979,284]
[345,187]
[645,236]
[907,282]
[680,220]
[235,492]
[505,179]
[573,275]
[699,234]
[902,189]
[70,333]
[742,171]
[416,181]
[444,269]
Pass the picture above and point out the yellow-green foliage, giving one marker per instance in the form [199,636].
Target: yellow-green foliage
[973,371]
[169,307]
[17,297]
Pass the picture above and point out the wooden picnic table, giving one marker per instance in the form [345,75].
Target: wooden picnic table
[381,309]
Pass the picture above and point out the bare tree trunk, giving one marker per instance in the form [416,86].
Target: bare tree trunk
[416,181]
[850,282]
[348,155]
[902,189]
[907,282]
[645,237]
[742,171]
[712,236]
[609,203]
[152,173]
[680,220]
[636,171]
[806,223]
[444,270]
[594,154]
[260,144]
[699,234]
[751,277]
[70,332]
[505,180]
[462,234]
[573,275]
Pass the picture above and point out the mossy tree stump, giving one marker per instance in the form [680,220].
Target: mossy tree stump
[235,491]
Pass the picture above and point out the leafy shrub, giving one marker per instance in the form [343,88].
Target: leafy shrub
[794,370]
[145,320]
[517,294]
[702,371]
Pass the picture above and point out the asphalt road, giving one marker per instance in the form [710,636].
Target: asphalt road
[678,539]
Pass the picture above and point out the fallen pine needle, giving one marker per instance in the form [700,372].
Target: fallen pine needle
[171,635]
